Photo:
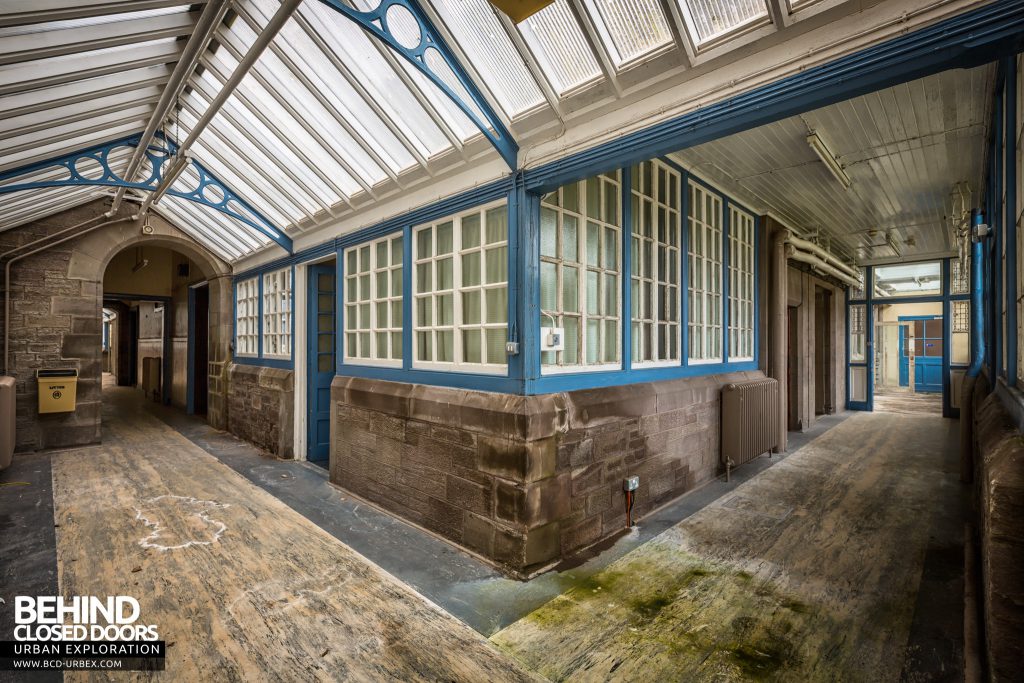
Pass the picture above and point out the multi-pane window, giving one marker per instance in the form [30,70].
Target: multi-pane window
[277,313]
[741,285]
[960,276]
[460,309]
[858,333]
[580,238]
[373,302]
[705,274]
[655,246]
[247,318]
[859,292]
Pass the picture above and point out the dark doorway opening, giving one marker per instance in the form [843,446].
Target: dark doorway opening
[792,374]
[198,349]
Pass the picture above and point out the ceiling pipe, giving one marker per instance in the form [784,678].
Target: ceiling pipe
[819,264]
[822,254]
[7,273]
[276,23]
[205,28]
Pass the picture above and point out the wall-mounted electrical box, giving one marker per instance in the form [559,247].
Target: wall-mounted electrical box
[552,339]
[630,484]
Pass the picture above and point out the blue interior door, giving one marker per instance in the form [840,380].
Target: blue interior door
[320,358]
[926,347]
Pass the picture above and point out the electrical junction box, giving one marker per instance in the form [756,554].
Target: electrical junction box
[630,484]
[552,339]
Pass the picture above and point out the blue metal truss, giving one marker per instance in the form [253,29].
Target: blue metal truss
[375,22]
[79,169]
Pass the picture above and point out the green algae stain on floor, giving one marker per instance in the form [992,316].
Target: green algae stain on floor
[665,614]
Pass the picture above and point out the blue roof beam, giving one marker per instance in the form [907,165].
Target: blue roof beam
[390,23]
[93,167]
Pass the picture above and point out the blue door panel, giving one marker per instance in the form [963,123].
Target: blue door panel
[928,360]
[320,359]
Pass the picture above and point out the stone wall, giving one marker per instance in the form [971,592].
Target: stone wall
[999,482]
[261,407]
[524,480]
[55,322]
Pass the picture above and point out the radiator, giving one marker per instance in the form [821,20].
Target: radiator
[750,421]
[6,421]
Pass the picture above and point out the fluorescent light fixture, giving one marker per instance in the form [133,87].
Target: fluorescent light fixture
[827,158]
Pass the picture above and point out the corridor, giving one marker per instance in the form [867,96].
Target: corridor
[840,560]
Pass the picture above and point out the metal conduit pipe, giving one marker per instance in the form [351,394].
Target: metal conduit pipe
[815,262]
[978,349]
[206,27]
[777,302]
[263,40]
[822,254]
[7,277]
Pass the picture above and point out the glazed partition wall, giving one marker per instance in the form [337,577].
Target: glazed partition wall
[646,273]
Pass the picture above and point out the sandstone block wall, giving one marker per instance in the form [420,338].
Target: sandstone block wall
[261,407]
[524,480]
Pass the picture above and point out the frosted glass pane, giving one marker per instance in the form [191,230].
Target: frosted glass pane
[572,339]
[471,350]
[382,254]
[557,40]
[396,281]
[593,243]
[423,243]
[497,305]
[548,287]
[631,28]
[445,310]
[423,277]
[478,32]
[471,269]
[593,300]
[396,314]
[445,273]
[396,252]
[711,18]
[548,232]
[471,231]
[496,345]
[471,307]
[424,312]
[570,238]
[444,238]
[445,347]
[593,340]
[497,265]
[424,346]
[396,344]
[570,290]
[497,225]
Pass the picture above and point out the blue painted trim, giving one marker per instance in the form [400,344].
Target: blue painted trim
[158,156]
[279,363]
[458,380]
[408,300]
[339,311]
[626,262]
[610,378]
[516,275]
[967,39]
[684,269]
[375,22]
[529,312]
[725,284]
[1010,143]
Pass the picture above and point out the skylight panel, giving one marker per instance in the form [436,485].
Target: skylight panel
[557,42]
[711,19]
[630,28]
[479,33]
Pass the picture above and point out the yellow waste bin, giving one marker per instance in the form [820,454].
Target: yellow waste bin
[57,390]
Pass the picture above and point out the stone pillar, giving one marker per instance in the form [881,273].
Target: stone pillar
[777,326]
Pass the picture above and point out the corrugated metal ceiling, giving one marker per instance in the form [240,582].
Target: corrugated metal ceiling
[903,148]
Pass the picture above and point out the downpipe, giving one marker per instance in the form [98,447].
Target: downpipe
[978,233]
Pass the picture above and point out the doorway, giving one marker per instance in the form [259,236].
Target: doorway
[321,312]
[198,349]
[909,353]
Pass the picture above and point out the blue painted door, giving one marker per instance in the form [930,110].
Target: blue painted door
[320,359]
[926,351]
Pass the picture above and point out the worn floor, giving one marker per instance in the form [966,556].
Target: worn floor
[277,563]
[243,586]
[902,401]
[808,572]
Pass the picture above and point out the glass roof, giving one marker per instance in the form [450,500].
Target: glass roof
[329,119]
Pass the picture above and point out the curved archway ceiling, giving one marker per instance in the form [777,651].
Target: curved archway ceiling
[330,119]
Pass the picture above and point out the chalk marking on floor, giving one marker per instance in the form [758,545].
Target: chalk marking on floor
[149,541]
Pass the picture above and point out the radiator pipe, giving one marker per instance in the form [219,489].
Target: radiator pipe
[825,256]
[978,348]
[816,262]
[49,245]
[777,303]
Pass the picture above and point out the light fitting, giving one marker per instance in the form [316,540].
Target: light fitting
[828,159]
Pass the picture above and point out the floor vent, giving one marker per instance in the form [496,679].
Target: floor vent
[750,421]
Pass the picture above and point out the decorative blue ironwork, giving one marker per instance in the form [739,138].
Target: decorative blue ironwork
[91,167]
[376,23]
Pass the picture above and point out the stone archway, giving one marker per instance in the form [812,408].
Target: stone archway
[57,299]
